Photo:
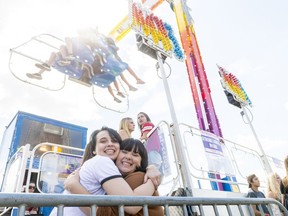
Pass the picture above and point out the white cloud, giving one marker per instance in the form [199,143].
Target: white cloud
[286,105]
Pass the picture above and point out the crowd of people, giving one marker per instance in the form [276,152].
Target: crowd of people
[122,168]
[114,167]
[277,189]
[115,163]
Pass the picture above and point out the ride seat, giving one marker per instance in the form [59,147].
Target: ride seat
[114,66]
[73,70]
[102,79]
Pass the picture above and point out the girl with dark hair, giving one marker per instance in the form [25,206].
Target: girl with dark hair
[131,149]
[145,125]
[152,144]
[132,162]
[99,174]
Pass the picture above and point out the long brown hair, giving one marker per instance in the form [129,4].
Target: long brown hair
[146,116]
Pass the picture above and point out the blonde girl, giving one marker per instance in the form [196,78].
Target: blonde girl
[273,191]
[126,127]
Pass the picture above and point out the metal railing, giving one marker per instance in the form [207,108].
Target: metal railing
[201,206]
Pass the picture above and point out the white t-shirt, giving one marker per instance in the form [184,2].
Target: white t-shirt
[93,174]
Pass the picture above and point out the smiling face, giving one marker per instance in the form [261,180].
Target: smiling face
[106,146]
[128,161]
[132,157]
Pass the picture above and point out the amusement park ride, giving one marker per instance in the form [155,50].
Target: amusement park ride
[149,38]
[156,39]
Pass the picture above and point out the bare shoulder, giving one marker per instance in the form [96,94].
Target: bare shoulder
[270,195]
[123,134]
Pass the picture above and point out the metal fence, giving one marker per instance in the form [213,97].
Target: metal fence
[183,205]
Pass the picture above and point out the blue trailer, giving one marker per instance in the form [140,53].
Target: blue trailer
[40,150]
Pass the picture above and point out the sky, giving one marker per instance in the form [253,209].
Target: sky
[248,38]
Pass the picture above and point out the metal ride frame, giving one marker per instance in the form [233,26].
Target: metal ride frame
[206,114]
[200,203]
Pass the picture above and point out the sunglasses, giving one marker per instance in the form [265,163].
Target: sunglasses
[31,187]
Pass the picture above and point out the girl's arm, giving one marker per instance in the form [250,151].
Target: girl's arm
[118,186]
[134,180]
[144,136]
[153,174]
[72,184]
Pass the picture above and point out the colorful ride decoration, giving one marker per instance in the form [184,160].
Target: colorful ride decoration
[155,30]
[201,92]
[233,87]
[124,26]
